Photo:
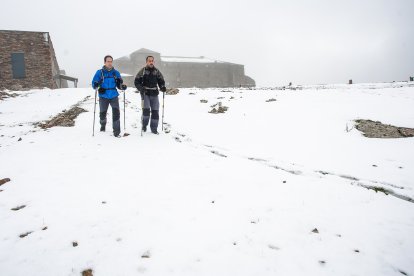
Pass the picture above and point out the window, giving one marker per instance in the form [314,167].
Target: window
[18,66]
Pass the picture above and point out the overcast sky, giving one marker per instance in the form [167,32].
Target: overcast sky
[302,41]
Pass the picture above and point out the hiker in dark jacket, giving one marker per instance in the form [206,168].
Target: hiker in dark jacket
[147,82]
[106,80]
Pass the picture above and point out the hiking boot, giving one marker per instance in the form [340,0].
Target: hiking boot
[117,135]
[144,129]
[102,129]
[154,131]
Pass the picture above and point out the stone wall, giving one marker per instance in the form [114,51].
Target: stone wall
[187,74]
[203,75]
[40,60]
[133,63]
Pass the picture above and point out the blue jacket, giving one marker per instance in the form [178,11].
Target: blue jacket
[108,80]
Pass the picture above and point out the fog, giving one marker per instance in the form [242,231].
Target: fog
[303,42]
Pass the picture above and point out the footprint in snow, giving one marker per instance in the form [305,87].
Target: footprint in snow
[218,153]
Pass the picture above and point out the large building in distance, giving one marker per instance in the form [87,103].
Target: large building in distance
[28,60]
[186,71]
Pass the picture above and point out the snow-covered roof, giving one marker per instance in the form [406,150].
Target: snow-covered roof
[145,51]
[189,59]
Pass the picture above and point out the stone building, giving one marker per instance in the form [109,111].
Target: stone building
[186,71]
[28,60]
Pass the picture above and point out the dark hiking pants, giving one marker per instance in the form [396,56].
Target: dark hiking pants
[151,107]
[103,108]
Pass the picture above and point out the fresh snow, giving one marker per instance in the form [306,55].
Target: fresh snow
[237,193]
[189,59]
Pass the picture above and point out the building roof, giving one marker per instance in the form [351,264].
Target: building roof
[144,51]
[16,31]
[189,59]
[140,51]
[177,59]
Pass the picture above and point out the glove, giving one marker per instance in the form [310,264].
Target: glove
[101,90]
[123,87]
[95,85]
[118,83]
[163,89]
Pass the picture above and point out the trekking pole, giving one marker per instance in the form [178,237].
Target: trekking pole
[163,99]
[142,114]
[124,112]
[94,110]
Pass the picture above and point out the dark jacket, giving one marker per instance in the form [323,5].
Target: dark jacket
[148,80]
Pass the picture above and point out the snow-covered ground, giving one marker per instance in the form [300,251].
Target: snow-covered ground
[238,193]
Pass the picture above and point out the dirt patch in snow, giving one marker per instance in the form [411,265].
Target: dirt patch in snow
[66,118]
[375,129]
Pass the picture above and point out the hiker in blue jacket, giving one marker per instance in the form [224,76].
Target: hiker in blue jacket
[106,80]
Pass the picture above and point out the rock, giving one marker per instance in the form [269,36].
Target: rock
[18,208]
[270,100]
[74,244]
[4,95]
[87,272]
[220,108]
[146,254]
[25,234]
[376,129]
[16,87]
[19,139]
[316,231]
[4,180]
[172,91]
[203,101]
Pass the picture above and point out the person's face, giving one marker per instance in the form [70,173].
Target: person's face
[108,63]
[150,62]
